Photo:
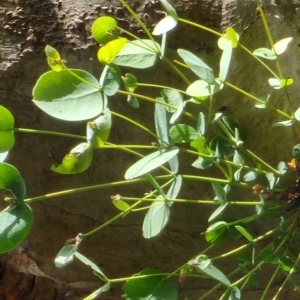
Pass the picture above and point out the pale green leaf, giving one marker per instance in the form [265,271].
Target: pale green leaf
[164,25]
[281,46]
[201,88]
[265,53]
[218,211]
[104,288]
[225,60]
[182,133]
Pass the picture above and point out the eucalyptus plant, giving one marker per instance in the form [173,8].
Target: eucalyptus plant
[212,138]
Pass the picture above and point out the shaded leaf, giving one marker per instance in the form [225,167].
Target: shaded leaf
[218,211]
[65,256]
[296,152]
[221,194]
[110,80]
[175,188]
[267,255]
[133,101]
[151,162]
[201,124]
[104,288]
[203,163]
[244,232]
[178,112]
[235,294]
[172,97]
[64,96]
[225,60]
[156,218]
[15,224]
[182,133]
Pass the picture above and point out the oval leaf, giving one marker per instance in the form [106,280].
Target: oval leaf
[110,80]
[53,58]
[151,162]
[65,256]
[201,88]
[182,133]
[265,53]
[281,45]
[11,180]
[104,29]
[15,224]
[7,137]
[109,51]
[244,232]
[225,60]
[164,25]
[64,96]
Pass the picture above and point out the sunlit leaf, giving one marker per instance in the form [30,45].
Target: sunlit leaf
[109,51]
[53,58]
[104,288]
[201,88]
[172,97]
[198,67]
[265,53]
[284,123]
[237,159]
[203,163]
[7,137]
[151,162]
[281,46]
[65,255]
[138,54]
[201,124]
[220,192]
[200,145]
[64,96]
[77,161]
[218,211]
[156,218]
[164,25]
[250,176]
[225,60]
[97,131]
[175,188]
[282,167]
[15,224]
[104,29]
[178,112]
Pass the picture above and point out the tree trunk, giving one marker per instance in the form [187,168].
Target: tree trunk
[28,25]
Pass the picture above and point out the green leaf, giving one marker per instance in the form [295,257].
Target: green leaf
[221,194]
[296,152]
[121,205]
[297,114]
[244,232]
[175,188]
[201,88]
[77,161]
[267,255]
[201,124]
[174,164]
[156,218]
[15,224]
[250,176]
[231,36]
[104,288]
[237,174]
[265,53]
[172,97]
[217,225]
[218,211]
[164,25]
[7,137]
[109,51]
[149,287]
[169,9]
[130,82]
[237,159]
[178,112]
[138,54]
[235,294]
[65,255]
[272,179]
[280,83]
[200,145]
[281,46]
[225,60]
[203,163]
[217,237]
[11,180]
[110,80]
[151,162]
[286,263]
[64,96]
[97,131]
[161,119]
[156,185]
[104,30]
[182,133]
[199,68]
[87,262]
[53,58]
[282,167]
[133,101]
[210,270]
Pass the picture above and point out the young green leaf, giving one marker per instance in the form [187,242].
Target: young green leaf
[286,263]
[15,224]
[151,162]
[280,83]
[267,255]
[7,137]
[130,82]
[235,294]
[169,9]
[104,30]
[232,36]
[225,60]
[198,67]
[110,80]
[64,96]
[133,101]
[156,218]
[121,205]
[11,180]
[244,232]
[53,58]
[217,237]
[77,161]
[109,51]
[97,131]
[149,287]
[138,54]
[237,159]
[182,133]
[200,145]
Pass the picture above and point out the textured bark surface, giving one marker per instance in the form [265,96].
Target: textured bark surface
[120,250]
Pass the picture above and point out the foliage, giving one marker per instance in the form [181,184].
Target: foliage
[213,139]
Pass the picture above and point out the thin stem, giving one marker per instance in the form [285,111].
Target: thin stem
[176,70]
[46,132]
[92,187]
[158,86]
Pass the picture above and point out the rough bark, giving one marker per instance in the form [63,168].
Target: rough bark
[28,25]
